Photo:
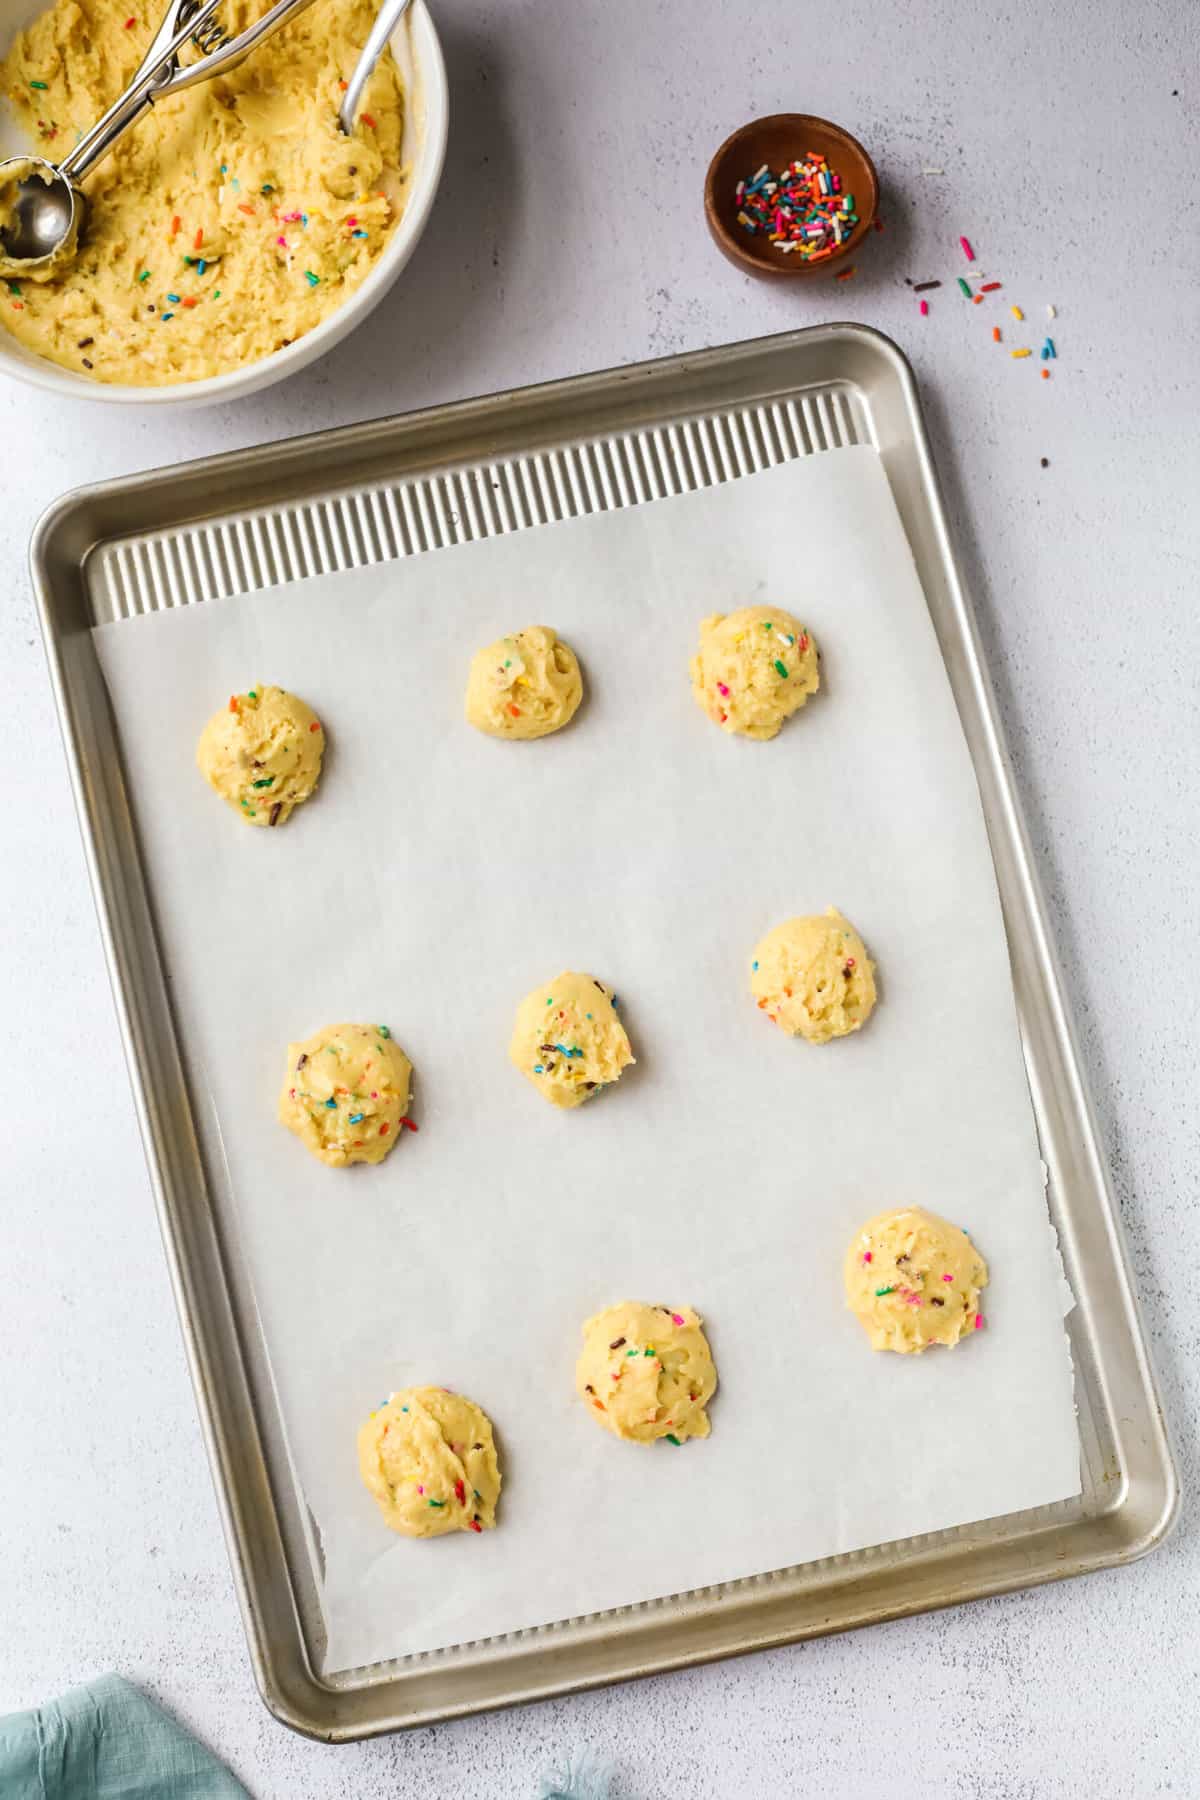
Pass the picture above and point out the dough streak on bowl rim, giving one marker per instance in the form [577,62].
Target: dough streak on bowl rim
[418,54]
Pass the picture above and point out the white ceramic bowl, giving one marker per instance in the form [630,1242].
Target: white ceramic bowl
[419,58]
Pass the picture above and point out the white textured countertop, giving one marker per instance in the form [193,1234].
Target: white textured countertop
[571,238]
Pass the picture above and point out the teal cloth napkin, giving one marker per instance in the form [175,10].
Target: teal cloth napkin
[105,1741]
[587,1777]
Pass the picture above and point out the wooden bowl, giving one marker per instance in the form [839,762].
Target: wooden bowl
[778,140]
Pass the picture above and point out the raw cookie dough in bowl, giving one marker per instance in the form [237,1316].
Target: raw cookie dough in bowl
[429,1459]
[568,1039]
[913,1279]
[345,1094]
[524,686]
[646,1372]
[813,978]
[262,753]
[220,248]
[754,669]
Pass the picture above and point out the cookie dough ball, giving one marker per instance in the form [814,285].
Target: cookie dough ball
[429,1458]
[813,977]
[568,1039]
[913,1280]
[345,1094]
[524,686]
[262,752]
[754,669]
[647,1372]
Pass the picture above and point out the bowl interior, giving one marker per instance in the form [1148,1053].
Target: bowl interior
[778,140]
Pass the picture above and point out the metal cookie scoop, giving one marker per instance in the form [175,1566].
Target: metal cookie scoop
[43,208]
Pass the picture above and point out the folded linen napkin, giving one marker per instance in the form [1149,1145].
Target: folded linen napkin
[106,1741]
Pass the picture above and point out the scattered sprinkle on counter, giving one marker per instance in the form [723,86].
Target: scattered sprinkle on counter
[1049,350]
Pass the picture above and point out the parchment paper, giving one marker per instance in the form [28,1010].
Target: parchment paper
[437,876]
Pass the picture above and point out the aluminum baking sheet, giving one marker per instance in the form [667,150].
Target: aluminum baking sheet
[439,877]
[404,487]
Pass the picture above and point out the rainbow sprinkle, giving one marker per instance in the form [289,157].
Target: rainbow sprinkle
[801,209]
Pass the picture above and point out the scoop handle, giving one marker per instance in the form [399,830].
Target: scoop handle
[161,73]
[386,20]
[140,93]
[233,51]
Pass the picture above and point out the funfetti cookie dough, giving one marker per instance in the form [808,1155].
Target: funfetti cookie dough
[646,1372]
[262,753]
[345,1094]
[232,218]
[568,1039]
[429,1458]
[524,686]
[754,669]
[812,976]
[913,1279]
